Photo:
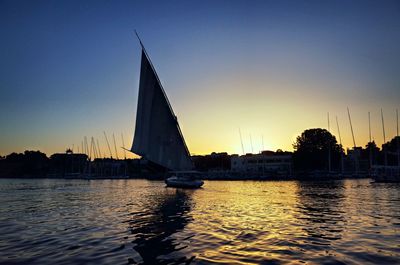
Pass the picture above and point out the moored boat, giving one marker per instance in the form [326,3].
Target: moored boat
[184,179]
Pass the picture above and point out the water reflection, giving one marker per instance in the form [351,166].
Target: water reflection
[229,222]
[321,209]
[155,230]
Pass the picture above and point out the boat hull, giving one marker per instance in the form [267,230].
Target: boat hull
[184,183]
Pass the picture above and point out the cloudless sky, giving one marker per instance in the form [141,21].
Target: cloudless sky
[70,69]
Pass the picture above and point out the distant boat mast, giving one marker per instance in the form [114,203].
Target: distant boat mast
[340,141]
[340,137]
[384,139]
[370,140]
[351,127]
[383,127]
[123,145]
[397,119]
[98,147]
[241,141]
[115,147]
[108,144]
[262,142]
[329,148]
[369,126]
[397,137]
[354,142]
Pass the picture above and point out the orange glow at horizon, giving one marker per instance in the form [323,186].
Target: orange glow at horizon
[267,114]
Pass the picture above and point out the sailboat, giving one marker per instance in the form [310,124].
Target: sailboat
[158,137]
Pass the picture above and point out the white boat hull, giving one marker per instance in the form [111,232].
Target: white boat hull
[183,183]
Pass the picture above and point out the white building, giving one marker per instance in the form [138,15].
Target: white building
[267,163]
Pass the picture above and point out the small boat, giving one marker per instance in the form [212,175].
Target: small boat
[184,179]
[158,137]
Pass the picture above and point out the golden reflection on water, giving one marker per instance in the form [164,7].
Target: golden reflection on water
[226,222]
[238,220]
[290,222]
[274,222]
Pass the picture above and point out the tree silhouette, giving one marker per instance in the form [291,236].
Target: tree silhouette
[30,163]
[391,149]
[312,149]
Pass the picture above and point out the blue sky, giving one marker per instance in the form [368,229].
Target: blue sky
[273,68]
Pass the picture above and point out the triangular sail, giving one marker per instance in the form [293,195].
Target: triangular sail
[158,137]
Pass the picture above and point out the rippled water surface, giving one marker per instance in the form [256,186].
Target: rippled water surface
[234,222]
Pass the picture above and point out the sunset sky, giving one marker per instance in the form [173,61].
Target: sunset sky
[70,69]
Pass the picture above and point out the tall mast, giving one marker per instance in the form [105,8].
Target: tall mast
[351,127]
[383,128]
[95,153]
[340,141]
[370,140]
[340,137]
[397,137]
[369,126]
[108,144]
[262,142]
[86,147]
[397,119]
[329,148]
[123,145]
[90,159]
[91,149]
[98,148]
[329,128]
[354,142]
[100,156]
[241,141]
[384,140]
[115,147]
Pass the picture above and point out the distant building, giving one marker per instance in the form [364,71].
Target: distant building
[267,163]
[354,161]
[68,164]
[212,162]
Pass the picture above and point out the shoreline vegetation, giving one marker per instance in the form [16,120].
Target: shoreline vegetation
[316,156]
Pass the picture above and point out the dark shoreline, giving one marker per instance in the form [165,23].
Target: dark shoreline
[207,178]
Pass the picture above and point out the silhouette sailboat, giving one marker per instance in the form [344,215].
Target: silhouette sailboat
[158,137]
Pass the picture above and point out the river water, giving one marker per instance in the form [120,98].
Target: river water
[55,221]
